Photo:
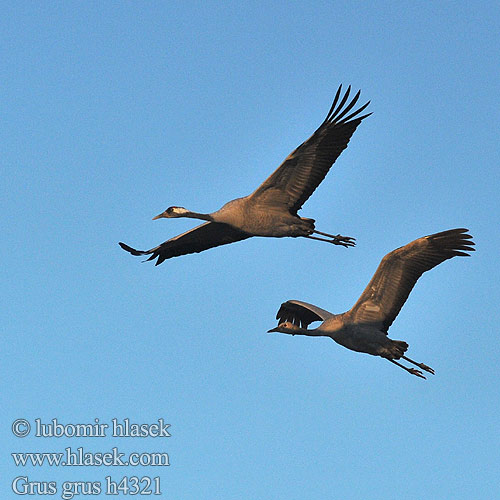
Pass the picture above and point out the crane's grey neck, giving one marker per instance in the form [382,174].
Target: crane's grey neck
[315,332]
[196,215]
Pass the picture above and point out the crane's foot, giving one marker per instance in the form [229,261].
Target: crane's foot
[345,241]
[420,365]
[416,372]
[413,371]
[337,239]
[426,368]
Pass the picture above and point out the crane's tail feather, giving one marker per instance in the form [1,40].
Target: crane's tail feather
[133,251]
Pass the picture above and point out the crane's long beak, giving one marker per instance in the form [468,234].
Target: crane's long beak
[159,216]
[273,330]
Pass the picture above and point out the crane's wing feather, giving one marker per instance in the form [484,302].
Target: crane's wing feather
[398,272]
[202,237]
[301,313]
[302,171]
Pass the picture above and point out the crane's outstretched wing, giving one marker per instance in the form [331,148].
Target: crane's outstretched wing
[301,313]
[300,174]
[398,272]
[202,237]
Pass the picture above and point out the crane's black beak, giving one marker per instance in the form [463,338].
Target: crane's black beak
[273,330]
[159,216]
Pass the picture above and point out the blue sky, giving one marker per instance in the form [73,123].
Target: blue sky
[113,111]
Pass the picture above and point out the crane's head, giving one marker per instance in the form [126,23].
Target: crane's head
[171,212]
[286,327]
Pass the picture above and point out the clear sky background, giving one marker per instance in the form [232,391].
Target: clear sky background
[113,111]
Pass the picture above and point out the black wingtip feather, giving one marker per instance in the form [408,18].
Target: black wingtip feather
[333,116]
[455,241]
[339,118]
[337,113]
[353,114]
[334,104]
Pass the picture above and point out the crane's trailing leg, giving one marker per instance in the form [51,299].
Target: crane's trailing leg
[420,365]
[324,239]
[413,371]
[345,241]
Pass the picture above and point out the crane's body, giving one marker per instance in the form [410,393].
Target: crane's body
[246,215]
[353,336]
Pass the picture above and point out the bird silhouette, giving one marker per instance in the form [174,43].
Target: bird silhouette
[364,327]
[271,210]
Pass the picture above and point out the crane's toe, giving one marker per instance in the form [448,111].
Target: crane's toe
[345,241]
[426,368]
[416,372]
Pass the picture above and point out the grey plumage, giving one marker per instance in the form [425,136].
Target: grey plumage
[365,326]
[271,210]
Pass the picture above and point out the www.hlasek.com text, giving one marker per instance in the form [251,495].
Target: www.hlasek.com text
[82,458]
